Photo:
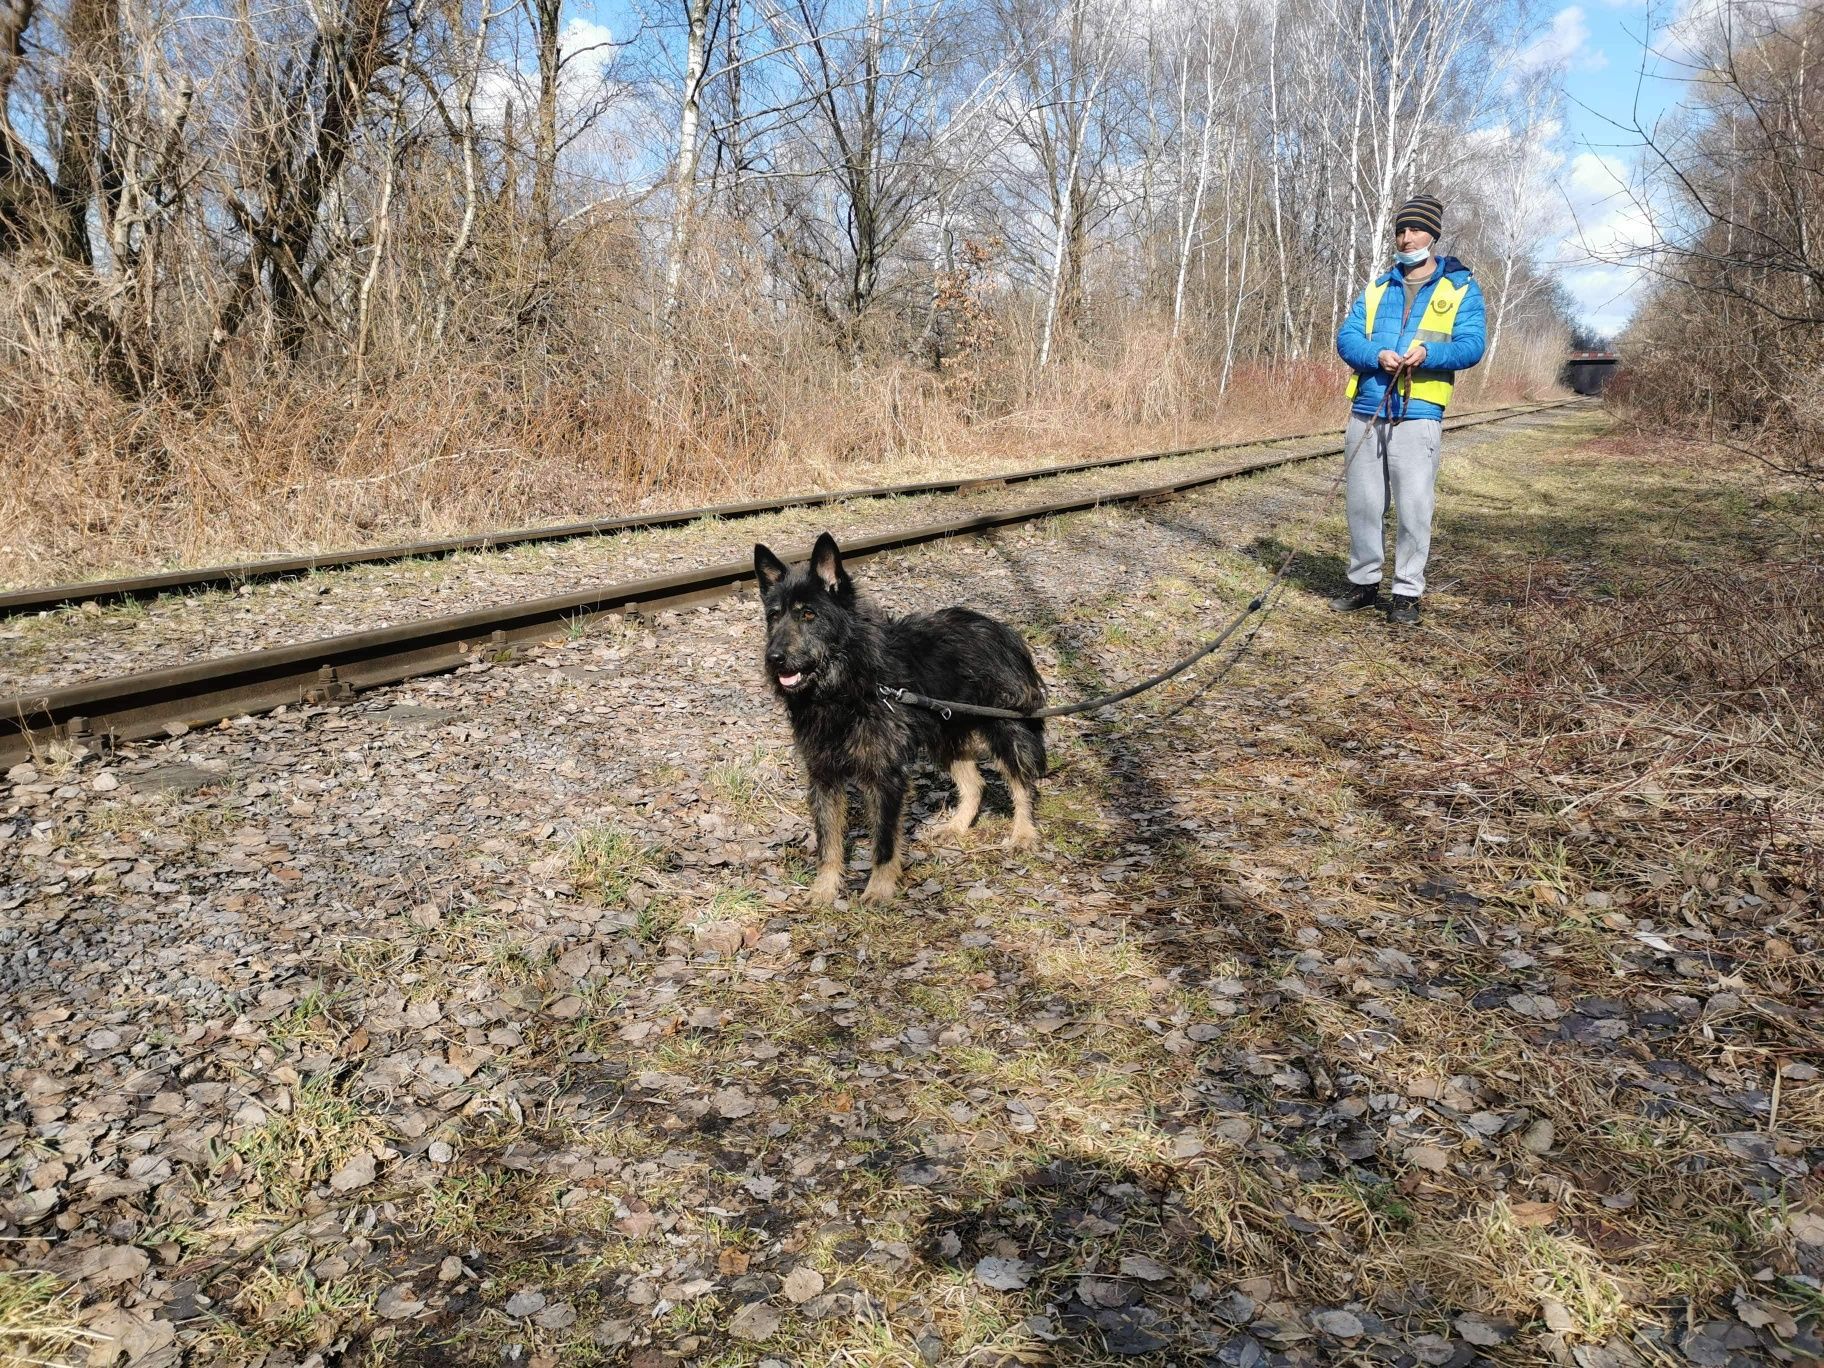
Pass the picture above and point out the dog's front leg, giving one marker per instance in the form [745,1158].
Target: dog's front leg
[889,816]
[829,814]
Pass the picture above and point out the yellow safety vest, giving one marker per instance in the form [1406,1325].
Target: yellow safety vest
[1439,321]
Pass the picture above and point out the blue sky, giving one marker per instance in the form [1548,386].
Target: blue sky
[1604,47]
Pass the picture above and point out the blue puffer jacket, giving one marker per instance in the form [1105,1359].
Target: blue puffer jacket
[1467,339]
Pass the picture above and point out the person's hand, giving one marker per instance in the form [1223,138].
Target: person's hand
[1390,359]
[1415,357]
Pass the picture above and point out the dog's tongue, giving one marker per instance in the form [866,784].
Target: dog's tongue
[791,681]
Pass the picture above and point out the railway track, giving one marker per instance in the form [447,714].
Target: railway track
[18,602]
[336,668]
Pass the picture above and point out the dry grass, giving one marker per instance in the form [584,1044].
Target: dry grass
[1670,666]
[98,486]
[38,1320]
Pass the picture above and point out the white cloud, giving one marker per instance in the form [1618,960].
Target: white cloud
[588,50]
[586,53]
[1606,242]
[1565,44]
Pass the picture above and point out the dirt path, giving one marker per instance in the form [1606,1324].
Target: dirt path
[485,1017]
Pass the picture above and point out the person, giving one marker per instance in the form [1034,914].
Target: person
[1411,330]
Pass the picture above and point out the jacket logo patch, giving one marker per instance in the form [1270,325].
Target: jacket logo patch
[1439,305]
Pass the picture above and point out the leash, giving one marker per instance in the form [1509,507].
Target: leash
[1402,376]
[949,707]
[946,707]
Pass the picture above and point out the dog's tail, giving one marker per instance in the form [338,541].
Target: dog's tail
[1035,728]
[1032,730]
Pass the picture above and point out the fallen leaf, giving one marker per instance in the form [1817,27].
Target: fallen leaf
[29,1208]
[1340,1324]
[1135,1331]
[756,1321]
[1428,1157]
[107,1265]
[398,1303]
[557,1316]
[1537,1006]
[356,1173]
[724,937]
[1533,1215]
[1104,1292]
[732,1104]
[637,1224]
[803,1283]
[1004,1275]
[1139,1266]
[1807,1227]
[1479,1331]
[134,1335]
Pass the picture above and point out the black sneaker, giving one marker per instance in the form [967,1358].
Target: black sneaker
[1356,596]
[1403,611]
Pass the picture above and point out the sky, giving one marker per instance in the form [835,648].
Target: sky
[1616,65]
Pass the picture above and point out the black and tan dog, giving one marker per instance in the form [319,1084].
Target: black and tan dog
[828,653]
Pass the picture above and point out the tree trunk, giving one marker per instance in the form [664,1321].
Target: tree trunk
[1189,236]
[466,134]
[1279,236]
[684,178]
[544,168]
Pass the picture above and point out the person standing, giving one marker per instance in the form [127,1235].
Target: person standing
[1410,331]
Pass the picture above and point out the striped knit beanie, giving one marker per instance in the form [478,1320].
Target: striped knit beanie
[1424,212]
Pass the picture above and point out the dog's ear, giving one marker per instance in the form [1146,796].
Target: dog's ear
[826,564]
[768,568]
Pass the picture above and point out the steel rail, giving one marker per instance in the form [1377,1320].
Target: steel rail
[18,602]
[334,669]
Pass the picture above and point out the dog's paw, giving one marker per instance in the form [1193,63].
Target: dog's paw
[945,828]
[1024,838]
[882,888]
[824,891]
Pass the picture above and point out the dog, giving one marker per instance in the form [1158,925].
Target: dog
[828,653]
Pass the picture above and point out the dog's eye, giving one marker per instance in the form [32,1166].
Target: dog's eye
[806,615]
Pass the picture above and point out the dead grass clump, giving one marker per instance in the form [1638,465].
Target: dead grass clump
[38,1318]
[1489,1261]
[1697,698]
[297,1150]
[1746,640]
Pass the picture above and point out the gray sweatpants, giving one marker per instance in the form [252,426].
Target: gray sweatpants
[1391,464]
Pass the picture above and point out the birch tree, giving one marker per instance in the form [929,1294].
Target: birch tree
[696,15]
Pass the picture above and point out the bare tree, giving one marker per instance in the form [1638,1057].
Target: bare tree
[1728,208]
[1518,214]
[696,14]
[314,190]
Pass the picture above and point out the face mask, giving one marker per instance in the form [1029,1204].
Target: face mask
[1412,258]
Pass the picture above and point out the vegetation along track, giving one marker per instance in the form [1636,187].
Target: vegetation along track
[17,602]
[329,669]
